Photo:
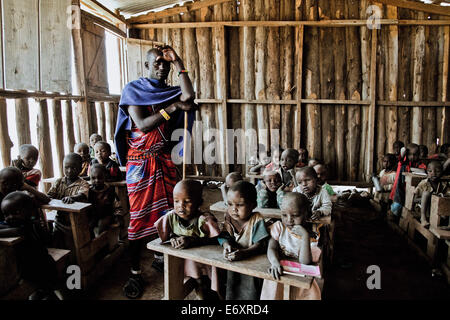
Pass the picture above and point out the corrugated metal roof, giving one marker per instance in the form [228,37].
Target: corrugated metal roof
[134,7]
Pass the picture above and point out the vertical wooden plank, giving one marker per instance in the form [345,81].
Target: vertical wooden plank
[446,110]
[21,35]
[44,141]
[55,50]
[22,121]
[58,139]
[381,67]
[339,52]
[100,112]
[68,124]
[392,78]
[299,83]
[110,121]
[173,278]
[419,55]
[372,109]
[134,60]
[5,141]
[2,54]
[76,122]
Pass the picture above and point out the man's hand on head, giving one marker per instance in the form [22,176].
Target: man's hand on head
[169,53]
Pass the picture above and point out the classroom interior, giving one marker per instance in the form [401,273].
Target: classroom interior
[343,79]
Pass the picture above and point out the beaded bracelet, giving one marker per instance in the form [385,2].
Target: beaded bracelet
[164,114]
[182,71]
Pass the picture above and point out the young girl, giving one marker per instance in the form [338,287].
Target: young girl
[186,226]
[291,240]
[320,201]
[244,235]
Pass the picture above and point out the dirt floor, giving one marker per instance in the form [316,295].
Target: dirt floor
[362,238]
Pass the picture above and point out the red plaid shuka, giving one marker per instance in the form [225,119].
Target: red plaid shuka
[151,177]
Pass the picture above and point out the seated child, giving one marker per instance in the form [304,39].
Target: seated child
[93,139]
[106,204]
[386,178]
[102,156]
[69,189]
[83,150]
[320,201]
[397,146]
[258,166]
[230,179]
[34,262]
[28,156]
[302,158]
[288,160]
[291,241]
[423,152]
[322,177]
[429,186]
[313,162]
[244,235]
[186,226]
[270,190]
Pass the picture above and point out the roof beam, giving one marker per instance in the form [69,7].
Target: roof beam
[103,11]
[152,16]
[430,8]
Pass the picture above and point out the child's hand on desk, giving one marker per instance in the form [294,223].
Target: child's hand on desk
[67,200]
[275,270]
[315,215]
[180,242]
[235,255]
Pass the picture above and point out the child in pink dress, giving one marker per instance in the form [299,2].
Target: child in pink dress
[290,240]
[186,226]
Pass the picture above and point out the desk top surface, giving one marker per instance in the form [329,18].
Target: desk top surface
[60,206]
[10,241]
[256,266]
[266,212]
[113,183]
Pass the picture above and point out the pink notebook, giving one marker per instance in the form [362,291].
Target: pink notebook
[296,268]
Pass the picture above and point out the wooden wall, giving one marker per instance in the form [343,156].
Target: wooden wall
[291,70]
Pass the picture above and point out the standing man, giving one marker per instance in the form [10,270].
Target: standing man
[149,112]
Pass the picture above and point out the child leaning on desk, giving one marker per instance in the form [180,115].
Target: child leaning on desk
[291,240]
[186,226]
[244,235]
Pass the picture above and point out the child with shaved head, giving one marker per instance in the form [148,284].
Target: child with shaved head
[25,162]
[186,226]
[83,150]
[102,156]
[288,160]
[270,190]
[93,139]
[230,179]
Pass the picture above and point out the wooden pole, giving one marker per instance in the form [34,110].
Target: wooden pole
[59,135]
[5,141]
[353,92]
[372,109]
[68,125]
[185,134]
[44,141]
[312,85]
[299,31]
[445,132]
[110,120]
[419,55]
[381,68]
[22,121]
[76,120]
[327,90]
[101,123]
[339,52]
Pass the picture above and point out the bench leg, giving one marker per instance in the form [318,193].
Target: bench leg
[173,278]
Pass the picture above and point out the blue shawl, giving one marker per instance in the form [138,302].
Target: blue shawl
[143,92]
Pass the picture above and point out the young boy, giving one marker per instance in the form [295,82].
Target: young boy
[269,191]
[429,186]
[69,189]
[102,156]
[230,179]
[106,204]
[288,160]
[27,159]
[34,262]
[83,150]
[93,139]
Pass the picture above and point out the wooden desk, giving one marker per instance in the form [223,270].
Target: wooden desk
[266,212]
[212,255]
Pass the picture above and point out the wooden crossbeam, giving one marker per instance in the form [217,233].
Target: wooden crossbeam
[103,11]
[153,16]
[430,8]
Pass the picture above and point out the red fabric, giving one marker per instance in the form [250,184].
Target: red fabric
[33,176]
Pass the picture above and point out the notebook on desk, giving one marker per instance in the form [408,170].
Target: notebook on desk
[298,269]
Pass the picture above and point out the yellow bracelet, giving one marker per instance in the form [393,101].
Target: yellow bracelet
[164,114]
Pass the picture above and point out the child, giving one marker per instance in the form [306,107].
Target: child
[397,146]
[302,158]
[313,162]
[429,186]
[423,152]
[106,204]
[257,167]
[244,235]
[93,139]
[290,240]
[102,156]
[269,191]
[33,260]
[83,150]
[28,156]
[322,177]
[69,189]
[230,179]
[288,160]
[319,199]
[186,226]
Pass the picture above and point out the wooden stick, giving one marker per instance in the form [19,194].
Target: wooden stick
[185,143]
[5,141]
[419,55]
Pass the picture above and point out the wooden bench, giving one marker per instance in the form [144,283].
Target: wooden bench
[257,266]
[11,286]
[86,248]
